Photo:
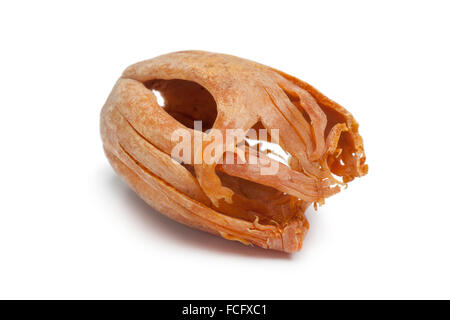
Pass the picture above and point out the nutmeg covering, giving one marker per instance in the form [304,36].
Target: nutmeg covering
[234,201]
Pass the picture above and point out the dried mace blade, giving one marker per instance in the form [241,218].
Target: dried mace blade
[236,199]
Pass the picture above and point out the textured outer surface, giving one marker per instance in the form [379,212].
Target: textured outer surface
[233,201]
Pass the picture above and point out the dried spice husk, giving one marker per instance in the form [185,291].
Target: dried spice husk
[234,201]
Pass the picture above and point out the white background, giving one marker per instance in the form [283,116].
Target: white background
[70,228]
